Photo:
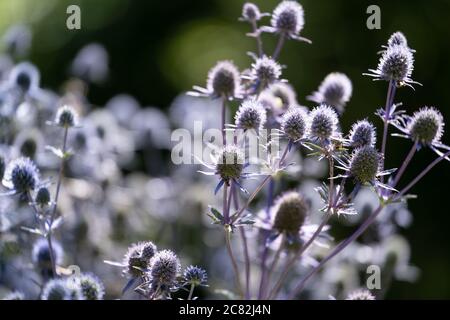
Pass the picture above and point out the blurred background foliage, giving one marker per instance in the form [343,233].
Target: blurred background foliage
[160,48]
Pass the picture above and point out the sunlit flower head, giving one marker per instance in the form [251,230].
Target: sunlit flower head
[362,294]
[362,134]
[194,275]
[21,176]
[56,289]
[25,76]
[265,71]
[294,124]
[91,286]
[285,93]
[137,258]
[251,13]
[164,269]
[335,91]
[250,115]
[323,123]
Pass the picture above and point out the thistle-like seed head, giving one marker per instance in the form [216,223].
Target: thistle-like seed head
[251,115]
[323,122]
[250,12]
[361,295]
[194,275]
[164,268]
[41,255]
[364,164]
[22,175]
[91,286]
[285,93]
[66,117]
[288,17]
[42,198]
[396,63]
[265,71]
[335,91]
[56,289]
[25,76]
[230,163]
[290,212]
[426,126]
[362,134]
[224,79]
[137,259]
[294,124]
[397,39]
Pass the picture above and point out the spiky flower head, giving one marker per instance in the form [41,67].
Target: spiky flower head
[224,80]
[265,71]
[362,134]
[285,93]
[195,276]
[251,115]
[323,123]
[250,12]
[294,124]
[66,117]
[41,254]
[397,39]
[137,259]
[361,295]
[426,126]
[56,289]
[364,164]
[15,295]
[42,197]
[164,268]
[290,211]
[288,17]
[230,163]
[335,91]
[21,175]
[74,289]
[91,286]
[396,64]
[25,76]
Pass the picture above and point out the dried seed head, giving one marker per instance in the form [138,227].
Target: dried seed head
[294,124]
[66,117]
[426,126]
[361,295]
[230,163]
[288,17]
[164,268]
[251,115]
[364,164]
[91,287]
[194,275]
[362,134]
[56,289]
[137,258]
[323,123]
[22,175]
[224,79]
[396,64]
[335,91]
[250,12]
[42,198]
[265,71]
[290,211]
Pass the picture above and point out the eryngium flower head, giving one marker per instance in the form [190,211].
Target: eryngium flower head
[91,287]
[42,197]
[250,12]
[397,39]
[15,295]
[25,76]
[361,295]
[396,64]
[288,18]
[56,289]
[66,117]
[364,164]
[230,163]
[21,175]
[195,276]
[251,115]
[294,124]
[285,94]
[335,91]
[41,255]
[426,126]
[362,134]
[224,80]
[164,268]
[137,259]
[265,71]
[323,123]
[290,212]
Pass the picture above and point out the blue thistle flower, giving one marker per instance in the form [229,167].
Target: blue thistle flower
[195,276]
[251,13]
[285,94]
[294,124]
[323,123]
[91,286]
[41,255]
[264,72]
[335,91]
[66,117]
[362,294]
[137,259]
[397,39]
[362,134]
[230,163]
[42,198]
[287,19]
[21,175]
[164,269]
[56,289]
[250,115]
[290,211]
[25,76]
[364,165]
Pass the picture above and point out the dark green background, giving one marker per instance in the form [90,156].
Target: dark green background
[160,48]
